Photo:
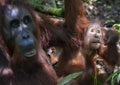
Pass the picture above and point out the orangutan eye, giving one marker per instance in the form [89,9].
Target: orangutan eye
[27,20]
[92,30]
[98,31]
[15,23]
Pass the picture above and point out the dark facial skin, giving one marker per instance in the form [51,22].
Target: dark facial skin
[19,30]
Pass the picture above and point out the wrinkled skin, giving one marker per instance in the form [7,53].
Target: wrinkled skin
[18,31]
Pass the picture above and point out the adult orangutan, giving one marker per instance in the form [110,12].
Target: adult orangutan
[20,32]
[71,59]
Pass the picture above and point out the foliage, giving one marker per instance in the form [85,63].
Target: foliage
[117,26]
[96,80]
[114,77]
[50,7]
[69,78]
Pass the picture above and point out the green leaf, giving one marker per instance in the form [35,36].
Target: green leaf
[69,78]
[108,7]
[96,80]
[113,77]
[110,20]
[113,80]
[117,27]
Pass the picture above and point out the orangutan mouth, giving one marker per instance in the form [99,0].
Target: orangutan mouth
[31,53]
